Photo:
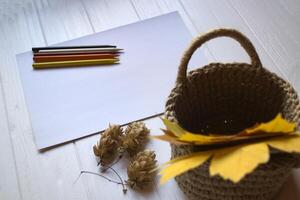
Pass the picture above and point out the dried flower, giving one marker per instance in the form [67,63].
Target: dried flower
[142,169]
[134,138]
[107,145]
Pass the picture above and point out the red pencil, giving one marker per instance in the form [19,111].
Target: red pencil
[50,58]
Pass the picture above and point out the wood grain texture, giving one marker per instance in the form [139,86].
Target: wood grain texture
[273,27]
[41,176]
[9,185]
[61,20]
[292,9]
[106,14]
[227,16]
[215,14]
[276,31]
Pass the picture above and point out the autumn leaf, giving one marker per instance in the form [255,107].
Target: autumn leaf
[183,164]
[275,127]
[290,144]
[230,163]
[278,124]
[173,127]
[190,137]
[235,162]
[238,160]
[167,138]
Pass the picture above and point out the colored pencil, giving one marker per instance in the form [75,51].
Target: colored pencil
[74,63]
[79,50]
[53,58]
[73,53]
[36,49]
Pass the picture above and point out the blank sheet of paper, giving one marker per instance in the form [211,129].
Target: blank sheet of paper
[69,103]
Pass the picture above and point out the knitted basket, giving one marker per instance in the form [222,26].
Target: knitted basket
[227,98]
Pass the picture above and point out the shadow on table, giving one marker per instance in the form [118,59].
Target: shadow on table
[291,189]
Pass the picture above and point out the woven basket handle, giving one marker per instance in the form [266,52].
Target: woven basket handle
[198,41]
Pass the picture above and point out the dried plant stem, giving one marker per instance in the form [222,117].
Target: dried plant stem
[104,168]
[110,180]
[94,173]
[122,182]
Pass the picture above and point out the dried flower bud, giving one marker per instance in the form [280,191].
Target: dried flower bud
[134,138]
[108,143]
[142,169]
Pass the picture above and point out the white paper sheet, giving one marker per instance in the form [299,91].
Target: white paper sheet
[70,103]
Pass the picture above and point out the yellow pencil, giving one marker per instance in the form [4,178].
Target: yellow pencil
[75,63]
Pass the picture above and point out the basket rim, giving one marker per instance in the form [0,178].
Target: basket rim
[236,65]
[177,90]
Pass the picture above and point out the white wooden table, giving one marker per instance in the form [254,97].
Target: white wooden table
[273,27]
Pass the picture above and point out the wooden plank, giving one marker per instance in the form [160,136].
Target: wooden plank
[19,16]
[61,20]
[170,5]
[204,20]
[277,32]
[287,20]
[227,16]
[292,7]
[41,176]
[208,15]
[147,9]
[9,185]
[106,14]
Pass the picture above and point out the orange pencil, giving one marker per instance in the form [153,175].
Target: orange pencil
[51,58]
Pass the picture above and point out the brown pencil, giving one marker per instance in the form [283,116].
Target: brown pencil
[51,58]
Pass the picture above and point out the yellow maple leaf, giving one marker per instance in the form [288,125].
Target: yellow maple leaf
[203,138]
[275,127]
[173,127]
[236,161]
[232,163]
[289,144]
[278,124]
[183,164]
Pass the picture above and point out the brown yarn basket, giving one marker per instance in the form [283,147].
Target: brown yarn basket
[227,98]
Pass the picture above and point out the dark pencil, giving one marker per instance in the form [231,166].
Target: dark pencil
[36,49]
[73,57]
[79,50]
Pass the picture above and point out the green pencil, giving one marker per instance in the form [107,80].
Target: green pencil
[74,63]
